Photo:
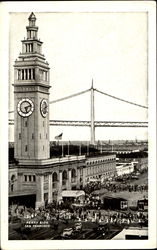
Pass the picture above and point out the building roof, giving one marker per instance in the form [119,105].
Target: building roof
[100,155]
[112,197]
[129,196]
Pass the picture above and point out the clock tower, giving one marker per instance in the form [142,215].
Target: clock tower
[31,98]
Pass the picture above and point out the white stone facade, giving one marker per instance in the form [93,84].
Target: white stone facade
[124,168]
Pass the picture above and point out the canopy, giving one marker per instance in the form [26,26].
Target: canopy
[72,193]
[94,180]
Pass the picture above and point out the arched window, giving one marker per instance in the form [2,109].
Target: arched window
[64,175]
[73,173]
[54,177]
[12,182]
[13,177]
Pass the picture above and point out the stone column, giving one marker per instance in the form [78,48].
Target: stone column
[31,74]
[60,179]
[69,179]
[44,75]
[78,178]
[60,186]
[50,189]
[23,48]
[84,175]
[19,181]
[40,191]
[20,75]
[24,74]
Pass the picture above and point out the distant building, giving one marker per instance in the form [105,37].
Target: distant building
[124,168]
[100,168]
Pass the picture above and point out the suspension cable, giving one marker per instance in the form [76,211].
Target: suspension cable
[70,96]
[85,91]
[63,98]
[120,99]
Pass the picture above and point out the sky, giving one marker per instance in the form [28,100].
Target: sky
[110,48]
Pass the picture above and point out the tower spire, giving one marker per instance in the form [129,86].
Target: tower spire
[32,19]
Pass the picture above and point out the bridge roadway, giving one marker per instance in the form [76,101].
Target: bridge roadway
[96,123]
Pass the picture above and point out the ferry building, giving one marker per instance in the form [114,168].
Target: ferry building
[35,177]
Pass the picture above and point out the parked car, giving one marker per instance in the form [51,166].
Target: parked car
[78,226]
[101,229]
[67,232]
[134,177]
[142,205]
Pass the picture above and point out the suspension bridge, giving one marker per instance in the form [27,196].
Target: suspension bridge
[92,123]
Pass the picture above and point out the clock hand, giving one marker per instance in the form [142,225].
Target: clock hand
[26,108]
[45,109]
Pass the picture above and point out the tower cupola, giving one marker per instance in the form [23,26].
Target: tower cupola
[32,30]
[32,19]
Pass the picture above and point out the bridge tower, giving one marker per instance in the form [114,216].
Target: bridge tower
[92,116]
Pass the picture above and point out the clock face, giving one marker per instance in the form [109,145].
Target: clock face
[44,107]
[25,107]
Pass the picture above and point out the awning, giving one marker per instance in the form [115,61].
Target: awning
[73,193]
[94,180]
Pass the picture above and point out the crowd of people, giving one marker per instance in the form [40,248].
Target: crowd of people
[125,187]
[90,209]
[55,214]
[115,186]
[130,218]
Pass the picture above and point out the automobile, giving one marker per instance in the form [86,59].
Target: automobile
[101,229]
[67,232]
[78,226]
[134,177]
[137,173]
